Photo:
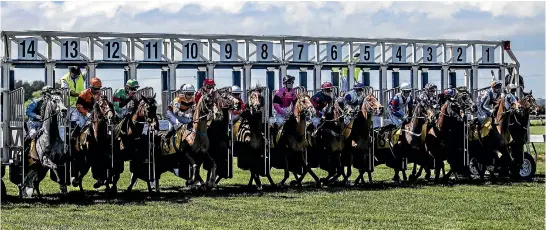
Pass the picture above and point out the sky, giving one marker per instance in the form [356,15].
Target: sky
[523,23]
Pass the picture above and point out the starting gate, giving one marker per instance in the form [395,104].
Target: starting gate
[146,92]
[16,132]
[107,91]
[277,53]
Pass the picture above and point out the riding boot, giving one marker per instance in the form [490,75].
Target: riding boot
[169,134]
[76,132]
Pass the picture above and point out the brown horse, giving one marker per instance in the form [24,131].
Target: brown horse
[289,150]
[358,138]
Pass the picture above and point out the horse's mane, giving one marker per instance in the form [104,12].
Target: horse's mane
[443,111]
[500,109]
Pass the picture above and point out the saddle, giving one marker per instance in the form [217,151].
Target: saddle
[172,144]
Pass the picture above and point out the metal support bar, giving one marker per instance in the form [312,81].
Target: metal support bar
[283,73]
[445,76]
[210,71]
[50,74]
[350,77]
[414,79]
[317,77]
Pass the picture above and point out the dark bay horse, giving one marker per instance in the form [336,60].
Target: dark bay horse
[49,152]
[358,142]
[131,141]
[250,138]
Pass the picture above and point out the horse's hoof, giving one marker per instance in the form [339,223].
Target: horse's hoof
[63,189]
[348,183]
[318,185]
[427,177]
[97,185]
[114,189]
[259,188]
[293,183]
[280,185]
[28,192]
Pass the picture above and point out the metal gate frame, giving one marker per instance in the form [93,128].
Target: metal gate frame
[15,143]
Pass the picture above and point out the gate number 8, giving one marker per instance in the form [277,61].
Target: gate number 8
[264,51]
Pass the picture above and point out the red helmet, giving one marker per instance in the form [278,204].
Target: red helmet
[326,85]
[208,82]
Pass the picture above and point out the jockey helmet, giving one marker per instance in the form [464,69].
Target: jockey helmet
[431,87]
[75,70]
[287,79]
[95,83]
[187,89]
[449,92]
[209,83]
[358,85]
[326,85]
[132,84]
[496,84]
[236,89]
[45,89]
[405,87]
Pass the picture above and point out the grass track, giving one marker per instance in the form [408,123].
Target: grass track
[379,206]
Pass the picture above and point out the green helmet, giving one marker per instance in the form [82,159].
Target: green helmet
[132,84]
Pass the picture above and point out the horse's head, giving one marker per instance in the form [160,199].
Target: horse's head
[255,101]
[209,107]
[371,106]
[464,99]
[54,97]
[104,109]
[304,107]
[528,103]
[147,111]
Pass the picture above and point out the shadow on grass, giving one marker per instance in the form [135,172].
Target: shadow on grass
[184,195]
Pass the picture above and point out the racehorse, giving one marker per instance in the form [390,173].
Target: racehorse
[518,131]
[326,142]
[359,132]
[218,132]
[250,140]
[49,148]
[396,147]
[100,148]
[91,147]
[129,141]
[289,148]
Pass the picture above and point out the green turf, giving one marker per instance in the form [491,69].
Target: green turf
[380,206]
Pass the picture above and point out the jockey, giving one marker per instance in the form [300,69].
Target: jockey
[85,103]
[282,101]
[34,114]
[488,100]
[398,103]
[428,95]
[181,109]
[123,96]
[510,98]
[236,92]
[208,87]
[75,83]
[321,99]
[355,97]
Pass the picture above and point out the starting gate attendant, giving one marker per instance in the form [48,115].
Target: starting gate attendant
[74,82]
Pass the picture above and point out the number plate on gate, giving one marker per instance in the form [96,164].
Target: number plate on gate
[163,125]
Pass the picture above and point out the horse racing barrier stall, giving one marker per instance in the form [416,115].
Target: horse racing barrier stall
[241,53]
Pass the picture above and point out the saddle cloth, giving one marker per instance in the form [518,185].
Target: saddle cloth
[172,145]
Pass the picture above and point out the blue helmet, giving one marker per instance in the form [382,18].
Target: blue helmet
[358,85]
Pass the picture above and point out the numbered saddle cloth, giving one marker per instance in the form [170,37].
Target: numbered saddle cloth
[81,140]
[277,136]
[347,130]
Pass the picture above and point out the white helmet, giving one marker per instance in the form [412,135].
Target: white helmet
[405,87]
[187,88]
[236,89]
[510,87]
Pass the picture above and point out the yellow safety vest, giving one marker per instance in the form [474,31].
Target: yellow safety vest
[78,88]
